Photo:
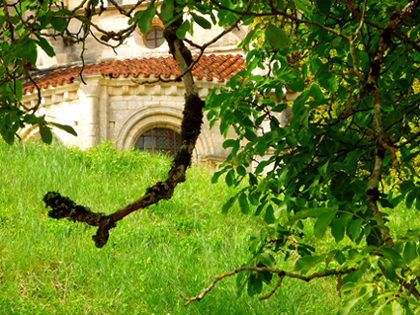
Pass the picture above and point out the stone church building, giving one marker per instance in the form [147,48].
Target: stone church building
[106,103]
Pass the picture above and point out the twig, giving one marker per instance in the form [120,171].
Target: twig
[352,44]
[269,294]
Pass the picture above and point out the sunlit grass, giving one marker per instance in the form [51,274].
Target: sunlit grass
[177,246]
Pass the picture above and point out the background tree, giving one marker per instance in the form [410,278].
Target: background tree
[348,152]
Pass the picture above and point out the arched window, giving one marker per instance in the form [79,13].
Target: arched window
[160,139]
[154,38]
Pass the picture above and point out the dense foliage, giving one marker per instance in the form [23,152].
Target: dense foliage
[346,155]
[349,150]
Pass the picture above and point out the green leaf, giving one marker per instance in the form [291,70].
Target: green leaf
[304,264]
[58,24]
[8,136]
[386,204]
[267,260]
[241,170]
[410,198]
[229,143]
[249,36]
[262,147]
[336,42]
[64,12]
[355,228]
[27,49]
[323,6]
[32,119]
[276,36]
[323,222]
[250,135]
[216,176]
[18,89]
[291,141]
[229,204]
[253,180]
[303,5]
[338,227]
[66,128]
[405,152]
[43,43]
[309,212]
[408,310]
[46,134]
[346,308]
[279,108]
[254,285]
[410,252]
[380,308]
[243,203]
[167,10]
[201,21]
[173,19]
[146,19]
[254,198]
[269,215]
[230,176]
[393,308]
[135,17]
[339,257]
[392,255]
[389,269]
[397,308]
[183,29]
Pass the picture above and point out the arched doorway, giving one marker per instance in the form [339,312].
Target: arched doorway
[163,140]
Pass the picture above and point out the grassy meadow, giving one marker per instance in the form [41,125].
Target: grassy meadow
[152,256]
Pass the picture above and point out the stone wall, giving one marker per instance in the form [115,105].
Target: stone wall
[119,110]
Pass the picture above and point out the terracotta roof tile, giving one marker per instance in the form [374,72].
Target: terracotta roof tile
[210,67]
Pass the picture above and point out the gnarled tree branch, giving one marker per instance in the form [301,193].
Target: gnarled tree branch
[63,207]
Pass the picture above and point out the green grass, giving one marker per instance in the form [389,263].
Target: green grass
[177,246]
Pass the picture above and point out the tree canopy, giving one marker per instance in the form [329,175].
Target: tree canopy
[347,155]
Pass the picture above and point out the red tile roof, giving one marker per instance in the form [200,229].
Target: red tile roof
[210,67]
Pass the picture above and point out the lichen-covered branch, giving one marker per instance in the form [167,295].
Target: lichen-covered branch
[63,207]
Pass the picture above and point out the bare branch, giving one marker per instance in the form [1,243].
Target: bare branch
[280,273]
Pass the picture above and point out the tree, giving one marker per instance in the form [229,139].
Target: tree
[348,152]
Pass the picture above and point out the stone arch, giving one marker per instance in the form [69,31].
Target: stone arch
[160,117]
